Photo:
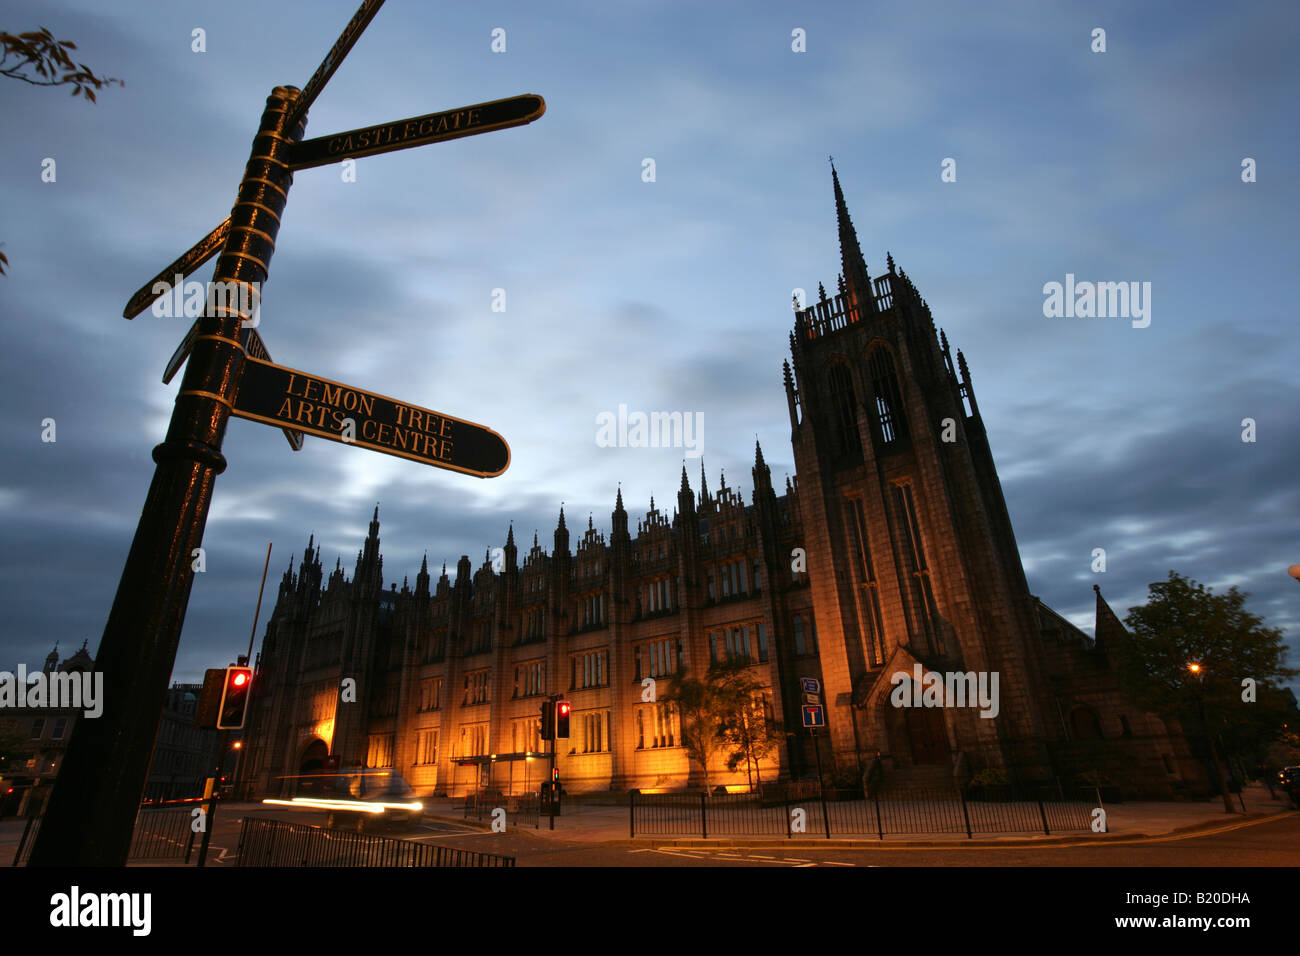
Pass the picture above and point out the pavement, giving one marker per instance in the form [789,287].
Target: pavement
[588,821]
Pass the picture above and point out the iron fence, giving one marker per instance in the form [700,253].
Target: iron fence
[846,813]
[275,843]
[522,810]
[30,829]
[163,834]
[158,835]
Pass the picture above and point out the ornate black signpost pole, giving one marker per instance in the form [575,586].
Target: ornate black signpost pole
[93,807]
[97,795]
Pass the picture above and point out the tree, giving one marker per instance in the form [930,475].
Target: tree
[47,58]
[42,60]
[706,706]
[750,731]
[1204,659]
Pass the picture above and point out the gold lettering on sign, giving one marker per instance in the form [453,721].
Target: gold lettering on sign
[394,134]
[325,405]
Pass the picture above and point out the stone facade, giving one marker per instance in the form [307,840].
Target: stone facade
[891,551]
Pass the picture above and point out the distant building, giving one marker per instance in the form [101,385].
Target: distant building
[43,733]
[184,756]
[892,550]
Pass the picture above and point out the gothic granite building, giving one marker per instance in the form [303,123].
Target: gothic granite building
[891,549]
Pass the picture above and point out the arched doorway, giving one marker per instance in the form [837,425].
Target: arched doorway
[312,763]
[926,734]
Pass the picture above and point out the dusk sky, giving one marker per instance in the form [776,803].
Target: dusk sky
[672,295]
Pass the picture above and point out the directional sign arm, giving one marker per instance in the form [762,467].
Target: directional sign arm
[288,398]
[417,131]
[347,39]
[195,256]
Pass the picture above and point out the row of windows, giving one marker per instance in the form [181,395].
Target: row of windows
[473,740]
[732,580]
[589,670]
[888,424]
[530,679]
[481,637]
[594,732]
[805,636]
[426,747]
[380,751]
[657,596]
[56,732]
[534,623]
[431,694]
[476,688]
[734,644]
[593,612]
[526,736]
[924,615]
[659,658]
[656,727]
[867,594]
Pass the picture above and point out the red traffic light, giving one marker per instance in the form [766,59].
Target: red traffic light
[565,707]
[234,698]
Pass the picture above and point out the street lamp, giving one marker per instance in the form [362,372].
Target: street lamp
[1199,672]
[1294,571]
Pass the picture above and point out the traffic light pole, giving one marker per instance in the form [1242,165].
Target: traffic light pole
[213,794]
[92,810]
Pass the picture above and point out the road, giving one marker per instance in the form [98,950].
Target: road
[1273,842]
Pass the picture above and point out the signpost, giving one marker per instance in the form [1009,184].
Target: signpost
[92,809]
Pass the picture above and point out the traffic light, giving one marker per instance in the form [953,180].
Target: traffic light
[548,720]
[562,710]
[234,698]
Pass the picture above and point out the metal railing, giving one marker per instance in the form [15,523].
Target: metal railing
[159,834]
[522,810]
[163,834]
[275,843]
[847,813]
[32,827]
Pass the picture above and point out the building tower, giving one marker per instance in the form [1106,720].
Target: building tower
[896,476]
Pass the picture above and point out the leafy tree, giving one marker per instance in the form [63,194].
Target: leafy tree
[1189,656]
[707,706]
[750,732]
[41,60]
[44,61]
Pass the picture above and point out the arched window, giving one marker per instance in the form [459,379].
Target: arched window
[844,409]
[891,425]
